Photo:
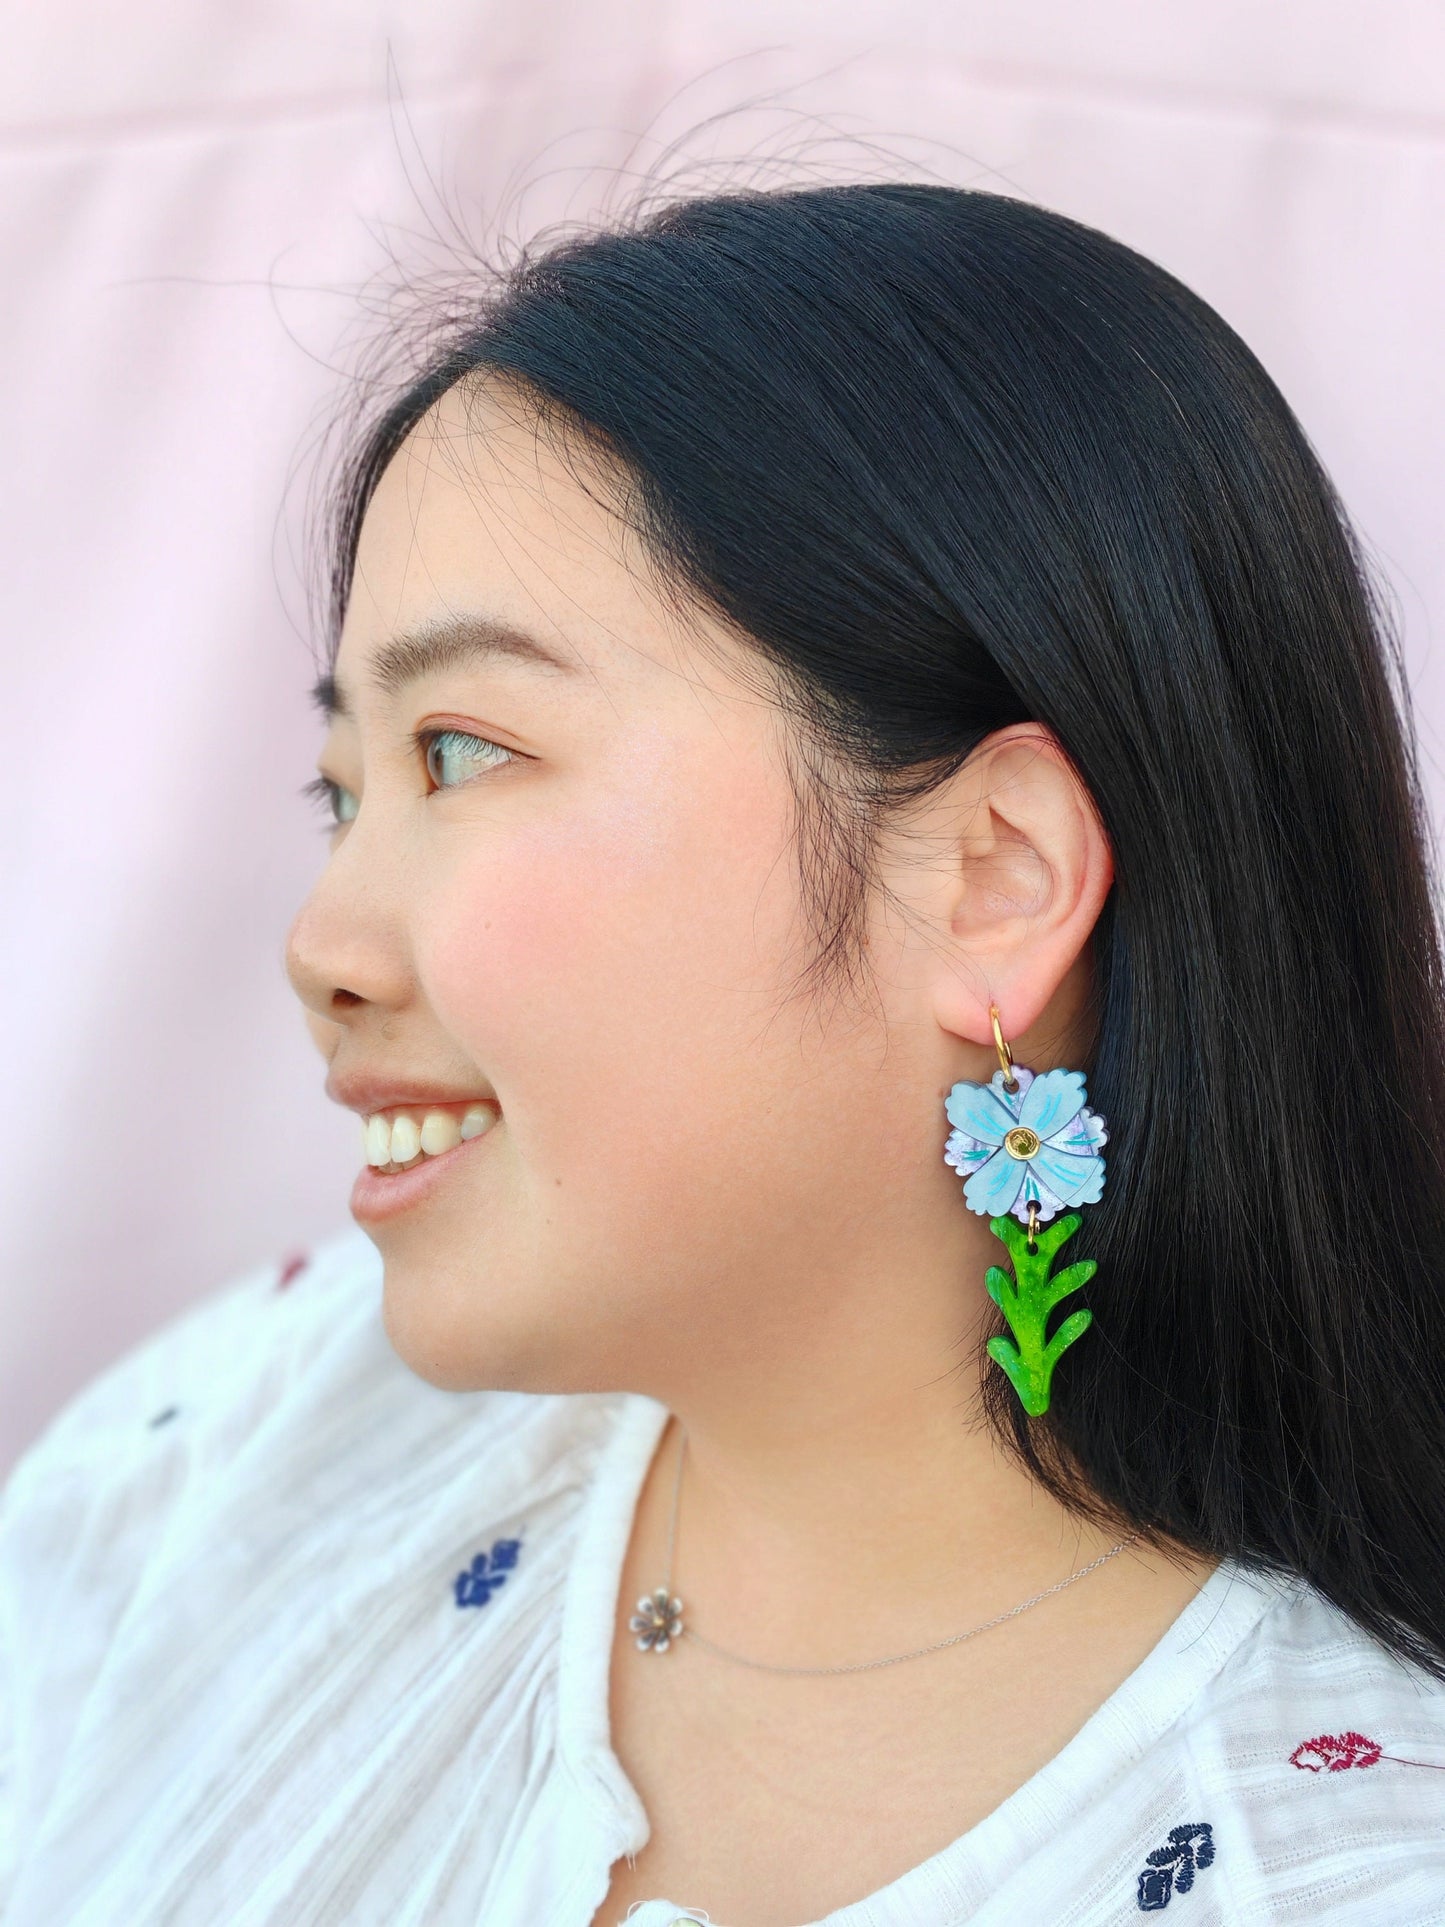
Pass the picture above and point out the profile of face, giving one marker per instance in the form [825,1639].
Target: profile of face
[573,887]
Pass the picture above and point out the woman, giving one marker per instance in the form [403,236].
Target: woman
[854,716]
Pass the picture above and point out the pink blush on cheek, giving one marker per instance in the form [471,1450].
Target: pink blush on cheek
[570,941]
[502,961]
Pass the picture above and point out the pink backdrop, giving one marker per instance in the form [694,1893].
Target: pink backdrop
[189,194]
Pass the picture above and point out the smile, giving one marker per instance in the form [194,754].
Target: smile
[387,1189]
[398,1139]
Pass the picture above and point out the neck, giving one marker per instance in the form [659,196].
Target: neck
[814,1527]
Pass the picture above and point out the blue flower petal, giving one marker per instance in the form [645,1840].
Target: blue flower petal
[1051,1100]
[1023,1077]
[994,1186]
[976,1110]
[1037,1187]
[1076,1180]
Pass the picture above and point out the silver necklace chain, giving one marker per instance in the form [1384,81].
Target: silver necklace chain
[658,1620]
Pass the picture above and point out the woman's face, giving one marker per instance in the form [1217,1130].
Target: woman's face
[585,901]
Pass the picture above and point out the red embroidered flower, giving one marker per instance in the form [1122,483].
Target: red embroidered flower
[297,1261]
[1335,1753]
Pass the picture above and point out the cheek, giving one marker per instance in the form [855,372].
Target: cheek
[612,971]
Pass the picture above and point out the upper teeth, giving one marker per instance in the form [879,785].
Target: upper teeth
[399,1137]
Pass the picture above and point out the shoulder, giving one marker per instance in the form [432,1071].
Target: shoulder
[208,1460]
[1324,1757]
[86,1507]
[1268,1759]
[260,1534]
[282,1376]
[215,1365]
[1309,1665]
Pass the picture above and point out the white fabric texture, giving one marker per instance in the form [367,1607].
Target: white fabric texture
[239,1681]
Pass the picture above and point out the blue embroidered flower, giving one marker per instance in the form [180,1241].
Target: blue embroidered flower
[487,1572]
[1037,1144]
[1170,1869]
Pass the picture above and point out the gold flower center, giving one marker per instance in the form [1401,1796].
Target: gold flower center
[1021,1142]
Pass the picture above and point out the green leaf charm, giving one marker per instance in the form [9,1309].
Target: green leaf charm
[1026,1300]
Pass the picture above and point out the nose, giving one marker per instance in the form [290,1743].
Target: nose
[340,952]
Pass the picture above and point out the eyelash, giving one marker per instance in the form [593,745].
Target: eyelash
[323,792]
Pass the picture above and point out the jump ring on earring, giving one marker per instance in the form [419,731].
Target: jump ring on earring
[1005,1055]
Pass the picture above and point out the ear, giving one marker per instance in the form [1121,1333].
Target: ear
[1014,910]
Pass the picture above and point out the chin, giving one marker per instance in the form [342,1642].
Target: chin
[448,1337]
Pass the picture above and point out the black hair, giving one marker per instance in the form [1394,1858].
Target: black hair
[952,461]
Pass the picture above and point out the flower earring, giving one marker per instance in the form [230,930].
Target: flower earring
[1027,1148]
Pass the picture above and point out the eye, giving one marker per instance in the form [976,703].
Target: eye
[448,748]
[327,795]
[457,749]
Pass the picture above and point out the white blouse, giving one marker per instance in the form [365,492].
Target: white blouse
[289,1636]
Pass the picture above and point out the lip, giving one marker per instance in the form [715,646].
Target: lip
[376,1197]
[366,1094]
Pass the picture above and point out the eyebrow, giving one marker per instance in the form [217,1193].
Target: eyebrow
[454,643]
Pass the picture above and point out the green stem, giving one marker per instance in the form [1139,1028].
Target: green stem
[1026,1300]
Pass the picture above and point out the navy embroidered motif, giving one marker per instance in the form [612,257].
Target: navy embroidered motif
[487,1572]
[1170,1869]
[297,1262]
[165,1417]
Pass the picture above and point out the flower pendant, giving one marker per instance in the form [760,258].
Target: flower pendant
[1034,1147]
[657,1622]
